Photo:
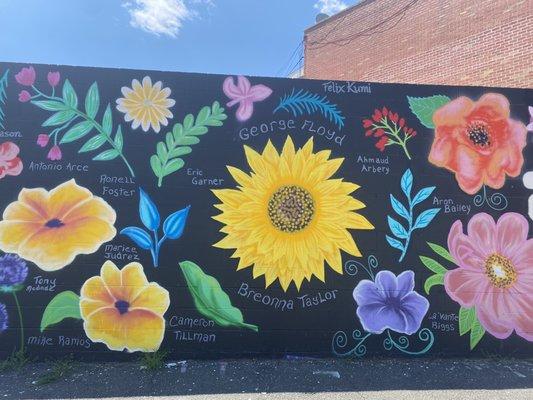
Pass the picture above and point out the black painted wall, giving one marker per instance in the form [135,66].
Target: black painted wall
[439,261]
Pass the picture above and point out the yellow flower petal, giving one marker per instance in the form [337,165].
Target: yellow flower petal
[289,217]
[133,281]
[13,233]
[65,197]
[136,330]
[154,298]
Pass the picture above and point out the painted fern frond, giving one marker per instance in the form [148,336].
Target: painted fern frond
[305,102]
[3,96]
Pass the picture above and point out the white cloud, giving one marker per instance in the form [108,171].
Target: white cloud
[160,17]
[330,7]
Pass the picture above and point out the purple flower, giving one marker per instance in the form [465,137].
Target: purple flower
[3,318]
[390,303]
[13,270]
[530,125]
[26,76]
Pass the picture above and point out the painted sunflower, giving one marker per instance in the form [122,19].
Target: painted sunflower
[121,309]
[288,216]
[50,228]
[147,105]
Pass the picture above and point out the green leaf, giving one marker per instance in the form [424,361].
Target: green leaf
[93,143]
[173,166]
[209,298]
[107,121]
[204,113]
[11,288]
[197,131]
[476,333]
[59,118]
[69,95]
[155,163]
[119,139]
[186,141]
[433,280]
[177,143]
[162,151]
[466,319]
[92,101]
[433,265]
[425,107]
[77,131]
[188,122]
[50,105]
[441,251]
[107,155]
[179,151]
[64,305]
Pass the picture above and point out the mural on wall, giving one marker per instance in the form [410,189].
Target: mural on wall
[212,216]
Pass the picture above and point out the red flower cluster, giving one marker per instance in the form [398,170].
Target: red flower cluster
[389,128]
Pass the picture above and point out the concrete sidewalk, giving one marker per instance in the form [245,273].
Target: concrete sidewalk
[396,379]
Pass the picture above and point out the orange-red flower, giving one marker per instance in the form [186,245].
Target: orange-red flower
[478,141]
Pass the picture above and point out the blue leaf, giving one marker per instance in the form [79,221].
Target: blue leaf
[397,229]
[399,208]
[139,236]
[422,195]
[407,182]
[425,218]
[175,223]
[148,211]
[395,243]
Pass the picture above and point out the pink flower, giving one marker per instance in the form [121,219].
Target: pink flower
[495,273]
[42,139]
[10,163]
[26,76]
[245,95]
[53,78]
[24,96]
[55,153]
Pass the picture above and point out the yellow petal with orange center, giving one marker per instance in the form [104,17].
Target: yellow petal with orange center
[53,248]
[135,330]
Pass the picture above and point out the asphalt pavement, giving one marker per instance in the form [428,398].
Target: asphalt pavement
[382,379]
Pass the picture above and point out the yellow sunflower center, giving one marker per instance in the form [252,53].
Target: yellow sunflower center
[54,223]
[500,271]
[122,306]
[291,208]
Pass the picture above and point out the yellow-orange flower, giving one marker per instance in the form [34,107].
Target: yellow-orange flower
[121,309]
[288,216]
[50,228]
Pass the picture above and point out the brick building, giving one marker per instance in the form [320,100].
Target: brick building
[459,42]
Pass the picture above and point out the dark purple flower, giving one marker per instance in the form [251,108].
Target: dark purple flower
[3,318]
[13,270]
[390,303]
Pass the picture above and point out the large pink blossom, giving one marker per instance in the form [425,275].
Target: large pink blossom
[495,273]
[10,163]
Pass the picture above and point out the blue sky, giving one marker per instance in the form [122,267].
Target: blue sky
[252,37]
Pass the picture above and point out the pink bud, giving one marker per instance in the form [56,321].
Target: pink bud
[42,139]
[55,153]
[53,78]
[24,96]
[26,76]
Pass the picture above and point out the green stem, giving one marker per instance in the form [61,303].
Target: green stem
[395,132]
[96,125]
[21,323]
